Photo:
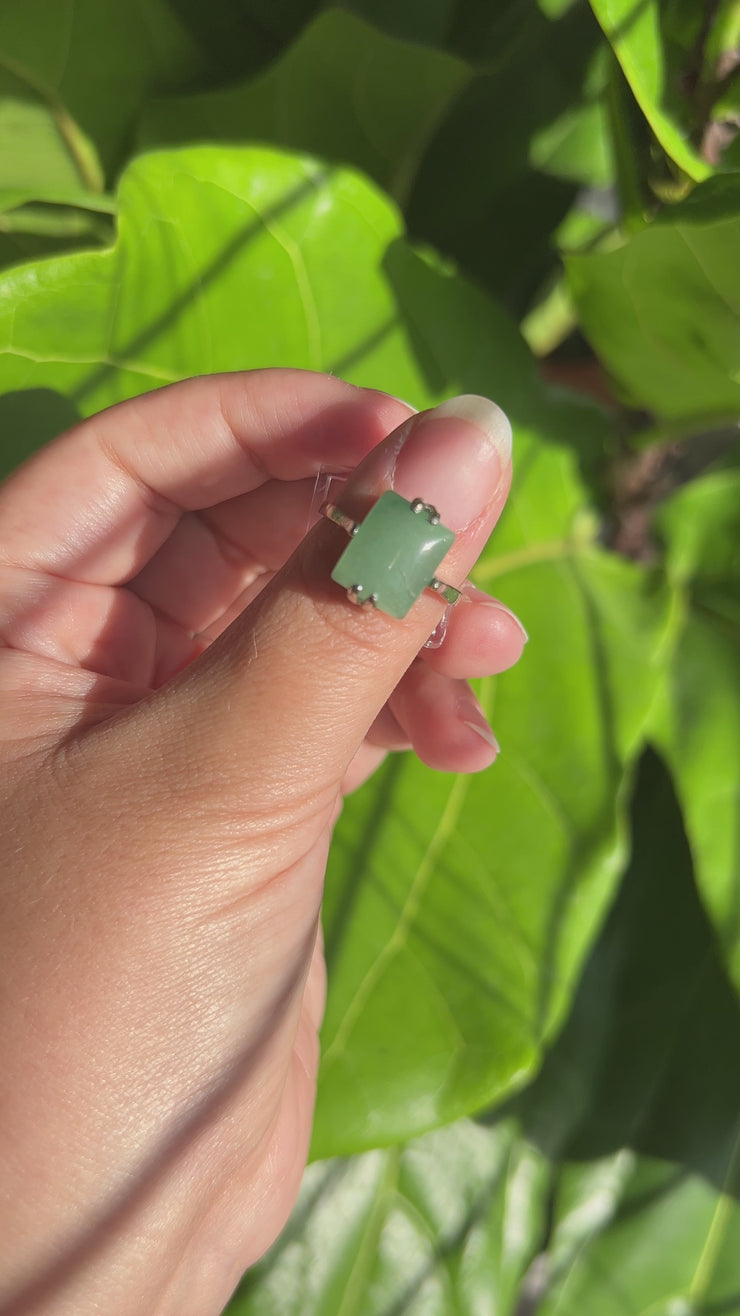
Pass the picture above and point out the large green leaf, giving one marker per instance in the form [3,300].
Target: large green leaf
[650,1056]
[609,1187]
[448,1223]
[640,1100]
[428,21]
[344,91]
[653,41]
[458,911]
[479,897]
[668,1242]
[240,36]
[509,160]
[663,310]
[316,255]
[698,722]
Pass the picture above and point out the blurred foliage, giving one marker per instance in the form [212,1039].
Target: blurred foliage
[529,1098]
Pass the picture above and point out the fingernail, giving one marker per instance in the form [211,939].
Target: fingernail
[472,716]
[455,467]
[471,594]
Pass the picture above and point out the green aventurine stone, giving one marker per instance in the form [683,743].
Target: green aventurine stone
[393,555]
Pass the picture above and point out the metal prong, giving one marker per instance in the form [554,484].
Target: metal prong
[446,592]
[418,505]
[355,593]
[333,513]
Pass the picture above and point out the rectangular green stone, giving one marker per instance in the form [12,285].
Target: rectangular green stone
[393,555]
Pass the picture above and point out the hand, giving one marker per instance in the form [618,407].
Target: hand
[185,695]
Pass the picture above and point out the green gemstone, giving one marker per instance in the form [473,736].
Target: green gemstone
[393,555]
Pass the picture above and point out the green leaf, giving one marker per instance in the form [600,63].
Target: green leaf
[243,34]
[649,1058]
[698,721]
[44,157]
[460,909]
[652,40]
[670,1249]
[30,231]
[17,198]
[662,311]
[240,36]
[343,90]
[640,1099]
[609,1186]
[717,198]
[509,160]
[43,153]
[90,64]
[479,897]
[205,233]
[427,21]
[447,1223]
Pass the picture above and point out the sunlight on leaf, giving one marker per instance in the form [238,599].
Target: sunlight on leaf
[447,1223]
[698,721]
[663,309]
[393,93]
[636,30]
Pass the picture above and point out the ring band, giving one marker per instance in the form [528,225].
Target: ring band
[392,555]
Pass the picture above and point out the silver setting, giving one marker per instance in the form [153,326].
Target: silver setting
[332,513]
[355,593]
[446,592]
[418,505]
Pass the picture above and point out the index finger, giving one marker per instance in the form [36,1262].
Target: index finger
[99,501]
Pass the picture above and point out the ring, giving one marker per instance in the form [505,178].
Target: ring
[393,554]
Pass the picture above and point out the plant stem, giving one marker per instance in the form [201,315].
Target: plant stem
[80,151]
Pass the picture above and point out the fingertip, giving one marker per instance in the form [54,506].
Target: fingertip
[474,720]
[483,638]
[461,746]
[394,410]
[411,410]
[444,722]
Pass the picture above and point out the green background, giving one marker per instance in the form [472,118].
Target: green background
[529,1098]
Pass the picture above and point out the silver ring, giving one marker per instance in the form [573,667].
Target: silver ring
[395,531]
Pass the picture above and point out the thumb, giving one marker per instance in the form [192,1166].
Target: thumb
[282,700]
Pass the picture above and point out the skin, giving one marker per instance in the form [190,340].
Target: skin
[185,697]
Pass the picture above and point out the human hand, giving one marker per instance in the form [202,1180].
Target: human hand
[185,696]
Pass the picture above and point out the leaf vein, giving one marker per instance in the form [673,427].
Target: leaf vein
[137,368]
[399,937]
